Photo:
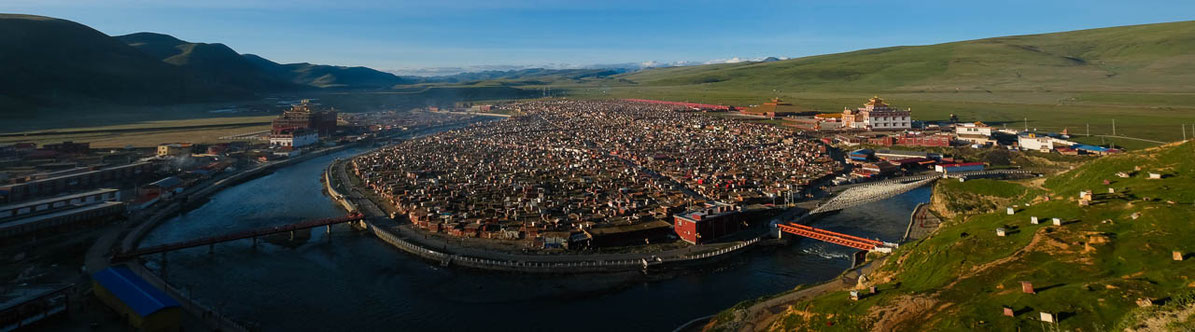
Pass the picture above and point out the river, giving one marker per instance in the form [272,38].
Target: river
[351,281]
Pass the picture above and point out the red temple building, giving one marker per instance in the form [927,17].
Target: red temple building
[301,116]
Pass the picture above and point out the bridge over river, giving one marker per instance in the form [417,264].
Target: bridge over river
[253,233]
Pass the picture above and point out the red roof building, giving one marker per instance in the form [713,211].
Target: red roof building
[705,225]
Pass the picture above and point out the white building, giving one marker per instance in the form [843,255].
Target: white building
[295,139]
[876,115]
[1041,142]
[974,133]
[977,128]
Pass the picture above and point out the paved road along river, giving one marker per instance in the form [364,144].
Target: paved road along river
[351,281]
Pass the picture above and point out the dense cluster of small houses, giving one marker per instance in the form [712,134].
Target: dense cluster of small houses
[401,120]
[563,168]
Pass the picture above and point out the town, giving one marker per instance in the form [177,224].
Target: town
[64,186]
[556,175]
[584,174]
[597,166]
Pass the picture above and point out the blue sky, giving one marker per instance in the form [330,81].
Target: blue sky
[418,34]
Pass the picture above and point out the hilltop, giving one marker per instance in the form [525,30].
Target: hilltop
[1152,57]
[1109,266]
[216,63]
[326,76]
[45,60]
[53,63]
[225,65]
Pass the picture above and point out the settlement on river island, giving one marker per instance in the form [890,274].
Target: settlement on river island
[565,174]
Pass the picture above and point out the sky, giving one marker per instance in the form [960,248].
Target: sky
[426,36]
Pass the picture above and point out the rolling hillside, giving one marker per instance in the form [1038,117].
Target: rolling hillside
[51,61]
[1109,266]
[224,65]
[1142,76]
[51,65]
[326,76]
[1143,58]
[216,63]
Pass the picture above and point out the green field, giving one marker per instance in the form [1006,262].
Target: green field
[1143,77]
[147,133]
[1089,272]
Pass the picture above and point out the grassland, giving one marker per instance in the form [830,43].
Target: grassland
[1090,272]
[1143,77]
[1157,118]
[147,133]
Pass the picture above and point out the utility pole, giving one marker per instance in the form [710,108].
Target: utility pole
[1026,124]
[1184,132]
[1088,130]
[1113,127]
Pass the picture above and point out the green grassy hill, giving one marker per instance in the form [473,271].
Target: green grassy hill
[327,76]
[51,61]
[1147,58]
[1091,272]
[53,68]
[221,64]
[215,63]
[1143,76]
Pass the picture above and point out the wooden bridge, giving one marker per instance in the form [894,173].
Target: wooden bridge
[253,233]
[831,237]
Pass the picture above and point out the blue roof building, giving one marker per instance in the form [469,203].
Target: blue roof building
[1091,148]
[144,306]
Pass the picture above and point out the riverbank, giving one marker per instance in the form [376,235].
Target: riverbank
[759,314]
[131,232]
[344,280]
[98,256]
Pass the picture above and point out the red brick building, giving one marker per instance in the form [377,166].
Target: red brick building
[912,139]
[704,225]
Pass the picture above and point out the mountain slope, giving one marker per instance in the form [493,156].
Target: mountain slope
[51,61]
[325,76]
[216,63]
[1109,265]
[1153,57]
[222,64]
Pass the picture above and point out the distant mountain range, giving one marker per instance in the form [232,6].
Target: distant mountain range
[47,61]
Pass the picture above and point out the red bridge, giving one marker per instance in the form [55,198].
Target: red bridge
[831,237]
[254,233]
